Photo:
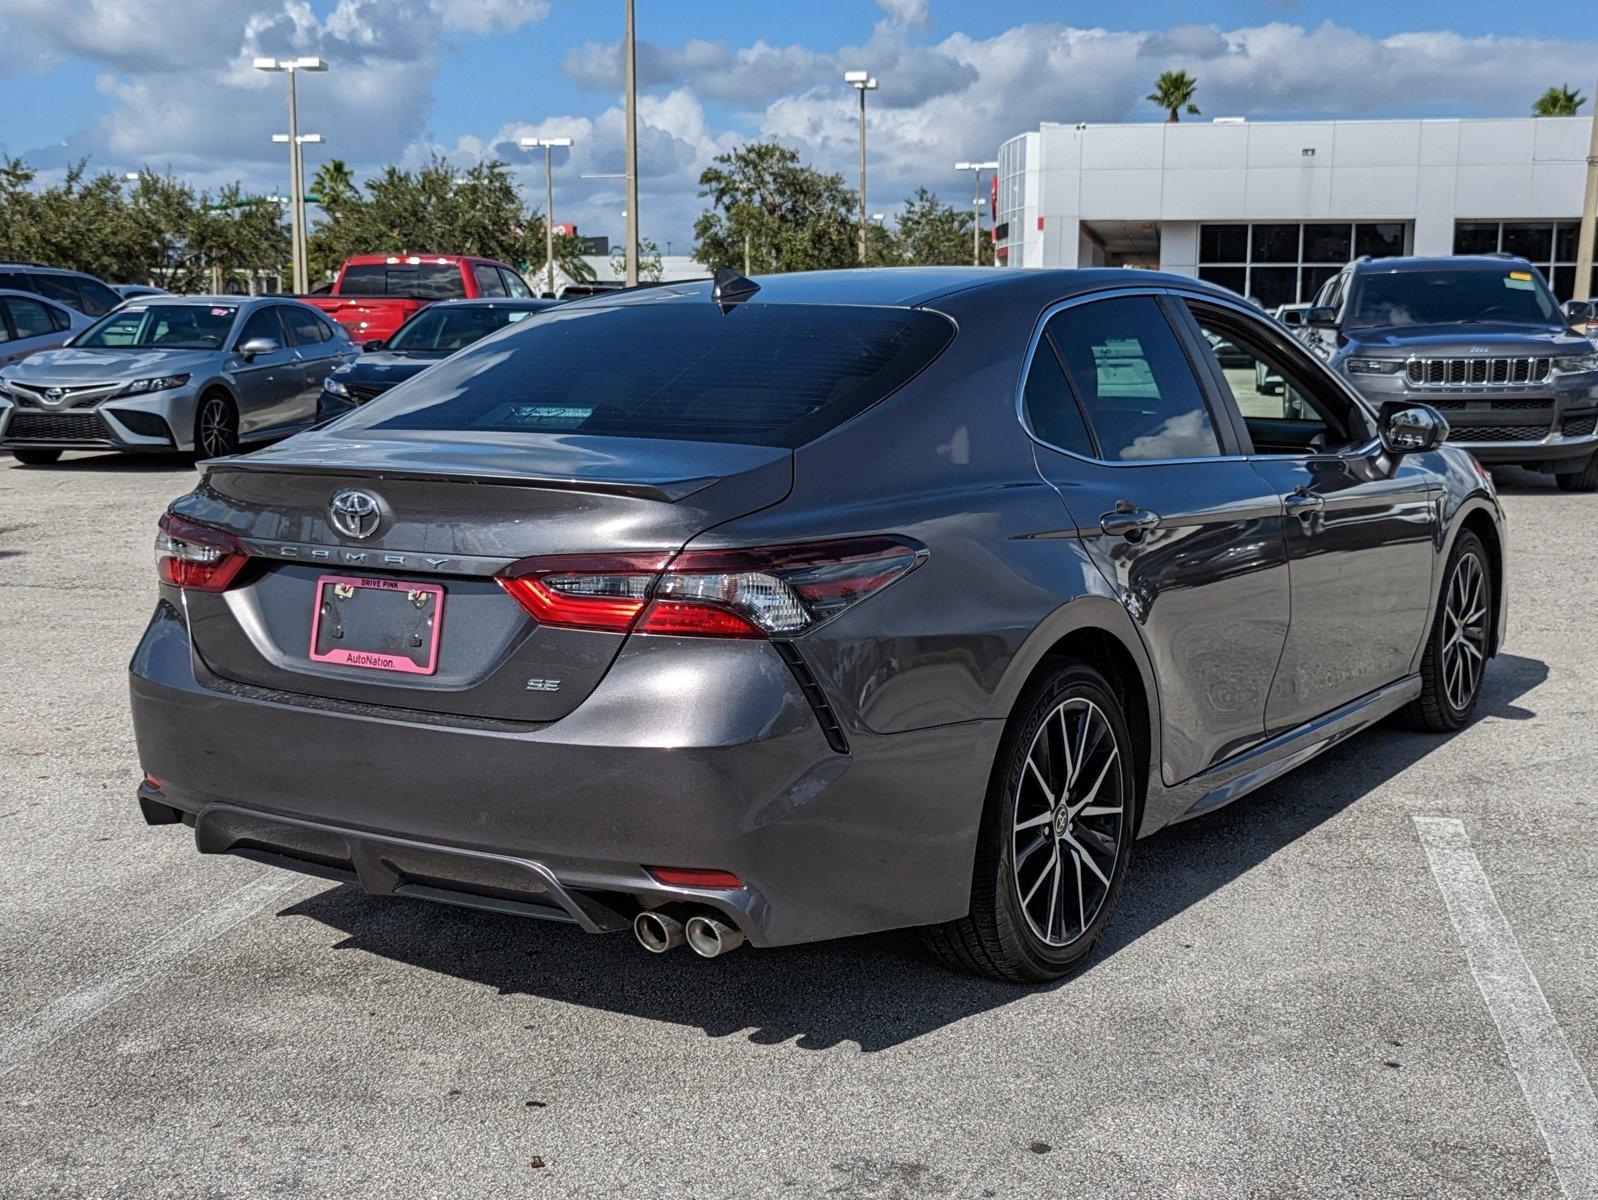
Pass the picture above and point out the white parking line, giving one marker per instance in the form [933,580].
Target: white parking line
[1557,1092]
[25,1039]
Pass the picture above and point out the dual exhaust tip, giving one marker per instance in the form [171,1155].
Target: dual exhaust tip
[707,936]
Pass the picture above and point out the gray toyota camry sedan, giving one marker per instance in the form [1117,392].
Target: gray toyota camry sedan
[783,609]
[164,373]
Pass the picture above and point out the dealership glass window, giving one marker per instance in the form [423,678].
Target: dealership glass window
[1550,246]
[1287,262]
[1010,231]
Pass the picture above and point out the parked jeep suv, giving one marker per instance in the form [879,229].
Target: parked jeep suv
[1480,338]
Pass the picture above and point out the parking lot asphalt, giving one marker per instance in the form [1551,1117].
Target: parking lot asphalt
[1283,1005]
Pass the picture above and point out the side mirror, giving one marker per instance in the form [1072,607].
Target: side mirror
[258,345]
[1580,312]
[1293,318]
[374,345]
[1321,317]
[1411,428]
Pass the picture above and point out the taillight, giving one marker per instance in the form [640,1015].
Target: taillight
[195,556]
[777,591]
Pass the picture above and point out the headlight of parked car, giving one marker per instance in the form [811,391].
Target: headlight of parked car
[1577,362]
[159,384]
[335,387]
[1375,366]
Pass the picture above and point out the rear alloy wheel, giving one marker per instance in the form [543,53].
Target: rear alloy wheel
[216,428]
[1584,480]
[1056,835]
[1456,654]
[36,458]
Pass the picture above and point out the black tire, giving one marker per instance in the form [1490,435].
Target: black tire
[1442,707]
[1000,937]
[1584,480]
[216,426]
[36,458]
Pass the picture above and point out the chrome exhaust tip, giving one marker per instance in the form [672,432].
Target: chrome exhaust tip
[708,936]
[656,932]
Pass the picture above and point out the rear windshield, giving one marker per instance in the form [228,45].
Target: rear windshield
[422,281]
[1453,296]
[161,326]
[446,330]
[770,375]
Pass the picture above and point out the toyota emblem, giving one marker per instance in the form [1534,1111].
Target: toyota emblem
[54,395]
[355,514]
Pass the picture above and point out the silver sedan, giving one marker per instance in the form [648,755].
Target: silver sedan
[192,373]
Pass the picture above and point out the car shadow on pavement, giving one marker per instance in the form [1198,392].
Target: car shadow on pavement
[128,464]
[880,990]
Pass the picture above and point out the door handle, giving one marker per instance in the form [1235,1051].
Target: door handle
[1129,521]
[1302,504]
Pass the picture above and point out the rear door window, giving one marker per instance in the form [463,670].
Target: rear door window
[1134,380]
[60,287]
[759,374]
[515,285]
[29,318]
[97,298]
[488,281]
[1051,405]
[305,327]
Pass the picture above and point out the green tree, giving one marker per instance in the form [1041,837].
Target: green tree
[933,232]
[650,268]
[1173,91]
[1559,101]
[782,215]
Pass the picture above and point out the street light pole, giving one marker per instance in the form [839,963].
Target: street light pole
[549,145]
[1588,231]
[862,82]
[292,67]
[976,169]
[632,151]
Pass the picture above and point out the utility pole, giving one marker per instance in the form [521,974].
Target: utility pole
[549,199]
[1589,221]
[862,82]
[632,151]
[292,67]
[976,169]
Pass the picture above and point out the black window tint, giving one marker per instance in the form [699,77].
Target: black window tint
[1134,380]
[419,281]
[1379,241]
[30,318]
[1273,285]
[1223,243]
[304,326]
[759,374]
[1233,279]
[262,323]
[1533,240]
[97,298]
[488,281]
[59,287]
[1475,237]
[16,281]
[1327,244]
[1275,243]
[1051,409]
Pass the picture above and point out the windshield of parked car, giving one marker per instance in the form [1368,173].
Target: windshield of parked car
[757,374]
[160,327]
[1453,296]
[416,281]
[446,330]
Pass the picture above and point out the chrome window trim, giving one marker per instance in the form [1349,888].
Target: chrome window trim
[1156,290]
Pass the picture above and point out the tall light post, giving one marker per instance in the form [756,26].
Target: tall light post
[549,145]
[632,151]
[1587,232]
[862,82]
[976,169]
[292,67]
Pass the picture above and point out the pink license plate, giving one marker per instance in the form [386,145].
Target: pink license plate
[377,624]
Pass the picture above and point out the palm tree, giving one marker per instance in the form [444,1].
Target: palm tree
[1558,101]
[334,183]
[1173,91]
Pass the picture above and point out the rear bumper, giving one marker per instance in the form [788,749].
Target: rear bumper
[691,752]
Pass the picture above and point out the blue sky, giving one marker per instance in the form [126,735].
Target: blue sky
[166,83]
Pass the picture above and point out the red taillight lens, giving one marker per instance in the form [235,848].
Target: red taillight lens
[197,557]
[777,591]
[585,591]
[696,877]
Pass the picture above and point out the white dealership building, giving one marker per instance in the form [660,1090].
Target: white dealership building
[1271,209]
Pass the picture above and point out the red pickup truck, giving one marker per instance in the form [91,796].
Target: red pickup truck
[377,293]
